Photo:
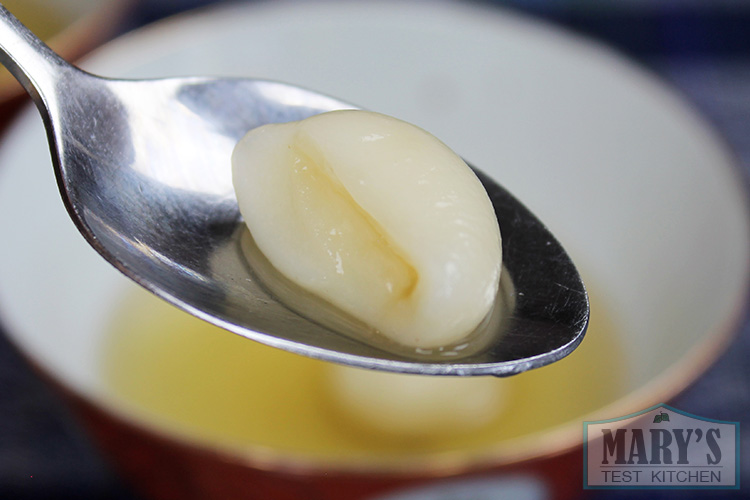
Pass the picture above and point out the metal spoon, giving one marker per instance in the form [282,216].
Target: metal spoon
[144,170]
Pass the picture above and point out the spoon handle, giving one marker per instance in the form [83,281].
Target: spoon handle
[37,67]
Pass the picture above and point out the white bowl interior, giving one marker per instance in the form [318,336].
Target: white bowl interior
[642,193]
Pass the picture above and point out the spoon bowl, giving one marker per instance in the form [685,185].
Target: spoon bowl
[144,170]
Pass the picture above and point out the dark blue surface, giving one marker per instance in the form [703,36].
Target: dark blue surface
[701,47]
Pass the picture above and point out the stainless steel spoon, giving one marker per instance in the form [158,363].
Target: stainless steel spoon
[144,170]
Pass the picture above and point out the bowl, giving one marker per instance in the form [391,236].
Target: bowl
[640,190]
[70,27]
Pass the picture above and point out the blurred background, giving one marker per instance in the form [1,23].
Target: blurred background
[701,47]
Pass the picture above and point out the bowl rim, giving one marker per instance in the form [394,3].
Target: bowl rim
[563,439]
